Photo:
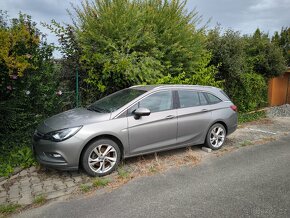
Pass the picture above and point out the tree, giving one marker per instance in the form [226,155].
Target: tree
[28,82]
[265,57]
[228,54]
[282,39]
[126,42]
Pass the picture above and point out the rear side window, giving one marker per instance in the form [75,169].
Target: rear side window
[202,98]
[188,98]
[212,98]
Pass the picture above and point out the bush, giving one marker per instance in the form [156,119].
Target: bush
[124,43]
[29,80]
[250,92]
[204,75]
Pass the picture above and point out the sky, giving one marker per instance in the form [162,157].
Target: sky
[241,15]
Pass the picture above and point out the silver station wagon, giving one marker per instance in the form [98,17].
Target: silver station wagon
[134,121]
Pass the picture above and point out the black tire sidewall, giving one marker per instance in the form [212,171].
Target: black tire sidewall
[207,141]
[88,150]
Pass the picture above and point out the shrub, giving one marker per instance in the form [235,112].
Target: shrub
[205,74]
[250,92]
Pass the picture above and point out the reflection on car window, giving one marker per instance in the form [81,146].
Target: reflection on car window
[160,101]
[115,101]
[202,99]
[213,99]
[188,98]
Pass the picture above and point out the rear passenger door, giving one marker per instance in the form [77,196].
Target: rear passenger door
[193,116]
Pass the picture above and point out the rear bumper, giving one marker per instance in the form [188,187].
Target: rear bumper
[232,129]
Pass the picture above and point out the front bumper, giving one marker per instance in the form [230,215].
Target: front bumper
[63,155]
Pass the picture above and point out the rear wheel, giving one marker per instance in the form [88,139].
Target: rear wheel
[216,136]
[101,157]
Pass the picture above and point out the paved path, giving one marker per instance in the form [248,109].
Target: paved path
[249,182]
[23,187]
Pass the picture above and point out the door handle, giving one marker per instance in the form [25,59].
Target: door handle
[170,117]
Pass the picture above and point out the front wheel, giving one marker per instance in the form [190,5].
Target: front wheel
[101,157]
[216,136]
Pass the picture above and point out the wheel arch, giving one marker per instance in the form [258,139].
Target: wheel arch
[215,122]
[103,136]
[222,123]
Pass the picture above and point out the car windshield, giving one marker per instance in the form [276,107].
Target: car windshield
[115,101]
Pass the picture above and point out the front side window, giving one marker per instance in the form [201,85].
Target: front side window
[160,101]
[188,98]
[156,102]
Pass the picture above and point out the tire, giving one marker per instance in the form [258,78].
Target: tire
[101,157]
[216,136]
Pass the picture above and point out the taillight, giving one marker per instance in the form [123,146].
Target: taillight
[234,108]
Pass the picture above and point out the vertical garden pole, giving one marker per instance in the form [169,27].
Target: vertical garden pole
[77,87]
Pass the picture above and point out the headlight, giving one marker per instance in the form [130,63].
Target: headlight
[63,134]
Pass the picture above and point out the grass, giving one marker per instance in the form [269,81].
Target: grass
[246,143]
[153,169]
[100,182]
[85,187]
[124,174]
[39,199]
[248,117]
[8,208]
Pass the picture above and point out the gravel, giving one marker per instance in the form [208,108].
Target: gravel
[279,111]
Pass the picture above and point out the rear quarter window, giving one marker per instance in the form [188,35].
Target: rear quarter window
[225,94]
[212,99]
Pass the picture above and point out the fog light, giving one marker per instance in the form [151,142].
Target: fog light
[56,155]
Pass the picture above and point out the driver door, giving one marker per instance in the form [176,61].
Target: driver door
[156,131]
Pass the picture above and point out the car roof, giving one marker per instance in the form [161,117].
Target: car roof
[157,87]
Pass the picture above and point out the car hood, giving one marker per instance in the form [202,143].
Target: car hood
[71,118]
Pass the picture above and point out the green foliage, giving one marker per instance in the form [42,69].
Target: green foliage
[264,57]
[204,75]
[282,39]
[245,63]
[28,82]
[123,173]
[249,117]
[250,92]
[131,42]
[85,187]
[39,199]
[8,208]
[100,182]
[24,156]
[20,155]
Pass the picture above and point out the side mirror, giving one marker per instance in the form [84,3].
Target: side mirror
[139,112]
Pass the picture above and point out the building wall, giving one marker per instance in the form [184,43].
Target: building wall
[278,87]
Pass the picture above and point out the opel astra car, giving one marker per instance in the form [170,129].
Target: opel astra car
[134,121]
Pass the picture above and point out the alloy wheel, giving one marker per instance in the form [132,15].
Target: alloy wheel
[217,137]
[102,158]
